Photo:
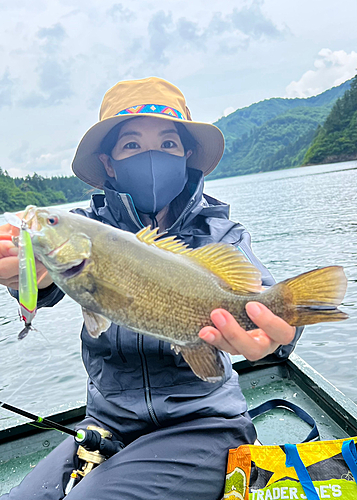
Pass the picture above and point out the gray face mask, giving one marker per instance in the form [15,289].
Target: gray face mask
[153,179]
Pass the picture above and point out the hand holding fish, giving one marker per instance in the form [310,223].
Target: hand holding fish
[9,262]
[255,344]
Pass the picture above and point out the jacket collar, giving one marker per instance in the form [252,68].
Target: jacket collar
[117,209]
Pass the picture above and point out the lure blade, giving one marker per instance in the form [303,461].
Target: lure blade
[27,280]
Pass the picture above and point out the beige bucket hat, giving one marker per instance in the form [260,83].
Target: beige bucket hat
[147,97]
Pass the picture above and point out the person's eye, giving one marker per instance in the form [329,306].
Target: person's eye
[169,145]
[131,145]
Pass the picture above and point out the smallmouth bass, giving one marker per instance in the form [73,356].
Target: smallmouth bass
[158,286]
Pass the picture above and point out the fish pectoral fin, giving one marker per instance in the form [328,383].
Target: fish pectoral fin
[203,359]
[95,323]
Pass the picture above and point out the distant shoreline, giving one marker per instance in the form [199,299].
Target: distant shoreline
[227,177]
[345,159]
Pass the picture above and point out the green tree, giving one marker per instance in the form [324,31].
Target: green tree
[336,140]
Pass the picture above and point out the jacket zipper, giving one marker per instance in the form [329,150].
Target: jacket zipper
[180,220]
[132,213]
[140,341]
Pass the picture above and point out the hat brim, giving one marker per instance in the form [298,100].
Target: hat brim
[87,166]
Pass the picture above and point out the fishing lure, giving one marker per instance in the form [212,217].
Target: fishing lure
[28,290]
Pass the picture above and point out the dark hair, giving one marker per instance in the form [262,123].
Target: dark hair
[188,141]
[108,143]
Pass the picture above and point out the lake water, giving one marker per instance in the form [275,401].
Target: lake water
[299,219]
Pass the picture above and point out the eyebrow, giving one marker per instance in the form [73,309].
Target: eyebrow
[169,131]
[130,132]
[163,132]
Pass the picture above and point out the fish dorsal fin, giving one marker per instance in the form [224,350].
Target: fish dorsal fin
[222,259]
[227,262]
[171,243]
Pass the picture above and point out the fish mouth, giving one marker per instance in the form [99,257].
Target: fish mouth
[75,270]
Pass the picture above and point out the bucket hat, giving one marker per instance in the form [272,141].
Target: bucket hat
[152,97]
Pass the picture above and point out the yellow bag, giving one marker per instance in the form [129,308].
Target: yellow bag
[310,470]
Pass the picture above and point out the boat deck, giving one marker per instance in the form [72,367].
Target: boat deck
[23,446]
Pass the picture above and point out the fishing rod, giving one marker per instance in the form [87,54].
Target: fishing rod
[95,444]
[39,420]
[90,439]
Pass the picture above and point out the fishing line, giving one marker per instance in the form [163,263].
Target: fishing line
[36,369]
[28,291]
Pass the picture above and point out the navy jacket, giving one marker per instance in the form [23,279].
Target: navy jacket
[137,383]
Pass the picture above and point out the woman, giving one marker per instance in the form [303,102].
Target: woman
[150,158]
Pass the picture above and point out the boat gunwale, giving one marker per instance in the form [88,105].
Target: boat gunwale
[340,408]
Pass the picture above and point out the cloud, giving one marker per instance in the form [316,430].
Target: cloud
[20,155]
[52,37]
[43,162]
[228,111]
[58,59]
[189,32]
[160,30]
[118,12]
[67,53]
[6,89]
[252,22]
[53,70]
[174,46]
[332,69]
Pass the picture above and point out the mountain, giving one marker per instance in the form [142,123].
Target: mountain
[274,133]
[336,140]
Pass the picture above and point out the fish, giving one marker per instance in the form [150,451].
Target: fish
[156,285]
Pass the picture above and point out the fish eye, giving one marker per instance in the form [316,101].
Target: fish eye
[52,220]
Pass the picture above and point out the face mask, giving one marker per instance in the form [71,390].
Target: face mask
[153,179]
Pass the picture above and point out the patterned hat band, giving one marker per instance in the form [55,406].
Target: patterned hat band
[152,108]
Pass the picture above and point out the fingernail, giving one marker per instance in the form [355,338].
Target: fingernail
[219,320]
[253,310]
[208,337]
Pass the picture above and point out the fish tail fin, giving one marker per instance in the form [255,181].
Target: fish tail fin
[315,295]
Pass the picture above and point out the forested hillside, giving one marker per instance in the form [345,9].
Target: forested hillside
[274,133]
[16,194]
[336,140]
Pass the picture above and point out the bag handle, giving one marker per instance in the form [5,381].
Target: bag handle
[350,455]
[274,403]
[293,459]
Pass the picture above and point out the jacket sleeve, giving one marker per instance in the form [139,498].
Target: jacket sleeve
[243,242]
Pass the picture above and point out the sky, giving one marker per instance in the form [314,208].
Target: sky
[59,57]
